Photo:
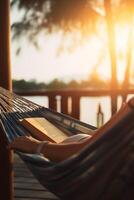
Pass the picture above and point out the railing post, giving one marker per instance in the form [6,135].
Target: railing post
[64,104]
[76,107]
[6,173]
[113,103]
[52,102]
[5,68]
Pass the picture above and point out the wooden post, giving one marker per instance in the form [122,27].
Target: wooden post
[6,173]
[5,69]
[112,52]
[6,189]
[64,104]
[76,107]
[125,84]
[52,102]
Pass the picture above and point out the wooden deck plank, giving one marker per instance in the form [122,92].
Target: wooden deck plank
[26,187]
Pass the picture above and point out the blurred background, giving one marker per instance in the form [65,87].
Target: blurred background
[73,56]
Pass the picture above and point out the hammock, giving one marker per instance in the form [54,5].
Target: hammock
[102,171]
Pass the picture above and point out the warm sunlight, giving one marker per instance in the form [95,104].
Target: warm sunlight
[67,64]
[122,34]
[76,64]
[69,61]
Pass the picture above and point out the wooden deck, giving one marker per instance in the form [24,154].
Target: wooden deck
[26,187]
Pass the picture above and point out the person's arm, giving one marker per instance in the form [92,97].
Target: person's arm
[52,151]
[58,152]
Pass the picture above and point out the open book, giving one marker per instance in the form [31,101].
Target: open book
[41,126]
[52,133]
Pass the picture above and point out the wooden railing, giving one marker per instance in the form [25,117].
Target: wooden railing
[69,100]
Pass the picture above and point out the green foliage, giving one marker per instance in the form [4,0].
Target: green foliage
[24,85]
[73,84]
[50,15]
[57,84]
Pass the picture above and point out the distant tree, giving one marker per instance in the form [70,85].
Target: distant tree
[84,84]
[93,82]
[56,84]
[50,15]
[73,84]
[41,86]
[24,85]
[21,84]
[96,81]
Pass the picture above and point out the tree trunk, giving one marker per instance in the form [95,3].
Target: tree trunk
[125,84]
[112,52]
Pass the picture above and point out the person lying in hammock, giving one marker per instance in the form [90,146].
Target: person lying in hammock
[72,145]
[53,151]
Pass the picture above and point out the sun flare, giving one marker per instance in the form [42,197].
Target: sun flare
[122,39]
[121,45]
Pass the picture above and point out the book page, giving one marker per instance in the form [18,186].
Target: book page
[40,125]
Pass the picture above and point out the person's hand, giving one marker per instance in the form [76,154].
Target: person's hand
[39,135]
[25,144]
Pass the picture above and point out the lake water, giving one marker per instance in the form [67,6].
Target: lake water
[88,107]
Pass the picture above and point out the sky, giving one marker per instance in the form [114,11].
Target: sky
[45,64]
